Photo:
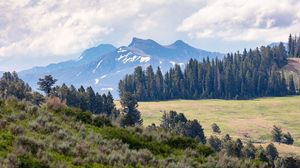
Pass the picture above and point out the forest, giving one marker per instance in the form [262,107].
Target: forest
[247,75]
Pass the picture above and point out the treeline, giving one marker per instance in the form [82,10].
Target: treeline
[12,86]
[294,46]
[85,99]
[254,73]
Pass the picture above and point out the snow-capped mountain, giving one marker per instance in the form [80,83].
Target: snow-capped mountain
[103,66]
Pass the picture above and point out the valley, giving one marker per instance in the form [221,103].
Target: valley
[245,119]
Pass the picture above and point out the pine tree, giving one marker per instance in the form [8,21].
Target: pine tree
[276,134]
[131,114]
[151,84]
[292,90]
[110,105]
[271,151]
[46,83]
[91,99]
[287,139]
[290,46]
[159,81]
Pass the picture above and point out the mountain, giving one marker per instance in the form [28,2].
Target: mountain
[103,66]
[274,44]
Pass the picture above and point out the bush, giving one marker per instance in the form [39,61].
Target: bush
[17,130]
[29,145]
[3,123]
[101,121]
[181,142]
[55,104]
[29,161]
[85,117]
[215,128]
[215,143]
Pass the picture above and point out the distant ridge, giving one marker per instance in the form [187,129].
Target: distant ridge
[104,65]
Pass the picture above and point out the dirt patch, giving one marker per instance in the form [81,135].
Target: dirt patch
[293,65]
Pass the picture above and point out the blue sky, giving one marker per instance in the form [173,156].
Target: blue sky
[39,32]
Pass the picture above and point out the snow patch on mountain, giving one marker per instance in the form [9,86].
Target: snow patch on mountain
[173,63]
[145,59]
[96,81]
[79,73]
[98,65]
[107,89]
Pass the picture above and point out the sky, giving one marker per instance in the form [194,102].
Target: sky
[39,32]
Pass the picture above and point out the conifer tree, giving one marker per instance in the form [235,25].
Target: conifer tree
[46,83]
[131,114]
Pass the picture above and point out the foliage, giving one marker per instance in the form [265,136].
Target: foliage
[86,99]
[132,115]
[254,73]
[46,83]
[12,85]
[215,128]
[177,123]
[294,46]
[278,136]
[271,151]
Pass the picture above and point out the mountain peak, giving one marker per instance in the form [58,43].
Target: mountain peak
[95,52]
[180,43]
[137,42]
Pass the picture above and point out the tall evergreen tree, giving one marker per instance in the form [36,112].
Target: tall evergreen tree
[46,83]
[131,114]
[292,89]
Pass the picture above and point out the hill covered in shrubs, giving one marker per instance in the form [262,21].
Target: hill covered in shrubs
[52,133]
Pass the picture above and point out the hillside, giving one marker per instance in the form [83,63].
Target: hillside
[293,68]
[81,128]
[57,136]
[245,119]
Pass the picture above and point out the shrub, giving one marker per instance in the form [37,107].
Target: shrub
[85,117]
[27,160]
[61,134]
[32,110]
[271,151]
[29,145]
[82,149]
[64,148]
[181,142]
[22,116]
[204,150]
[101,121]
[287,139]
[215,143]
[215,128]
[17,130]
[55,103]
[3,123]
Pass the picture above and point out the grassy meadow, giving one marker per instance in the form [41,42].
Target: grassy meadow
[245,119]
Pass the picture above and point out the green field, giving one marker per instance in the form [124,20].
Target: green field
[246,119]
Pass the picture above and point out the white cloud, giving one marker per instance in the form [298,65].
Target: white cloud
[244,20]
[36,32]
[58,28]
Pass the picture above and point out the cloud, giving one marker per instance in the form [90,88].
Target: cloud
[244,20]
[39,32]
[59,28]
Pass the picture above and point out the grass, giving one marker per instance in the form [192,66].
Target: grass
[240,118]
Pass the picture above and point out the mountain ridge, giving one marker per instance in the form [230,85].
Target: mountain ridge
[104,65]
